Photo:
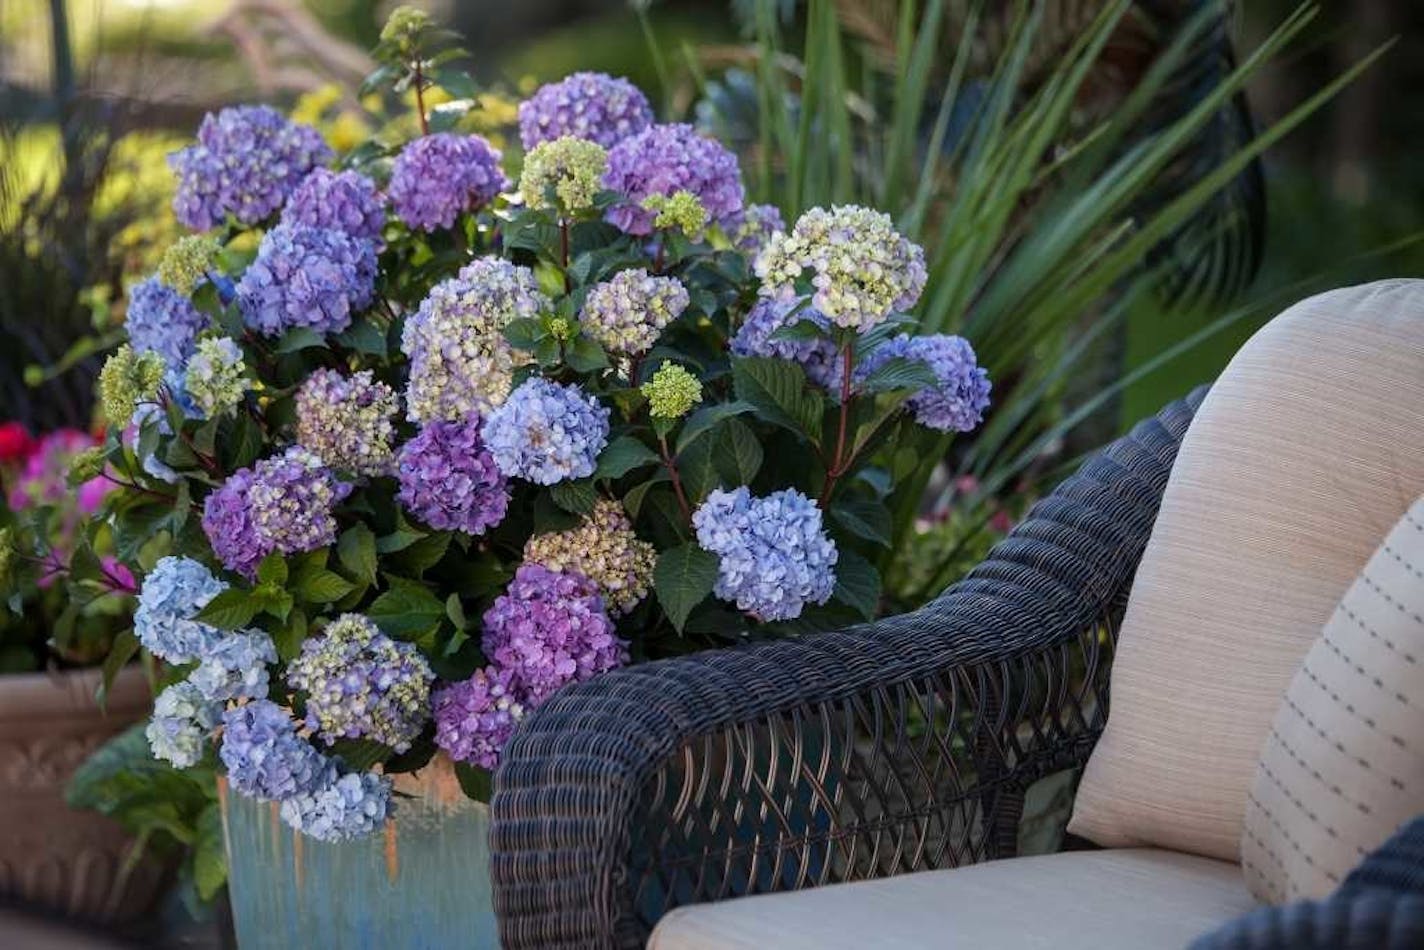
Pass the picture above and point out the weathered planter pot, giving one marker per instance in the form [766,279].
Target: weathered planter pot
[423,883]
[51,855]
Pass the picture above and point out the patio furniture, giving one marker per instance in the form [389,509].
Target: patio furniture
[897,754]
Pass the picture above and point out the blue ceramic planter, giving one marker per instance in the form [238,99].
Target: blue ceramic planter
[424,883]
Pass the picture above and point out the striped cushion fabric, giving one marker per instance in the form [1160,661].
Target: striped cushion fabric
[1343,766]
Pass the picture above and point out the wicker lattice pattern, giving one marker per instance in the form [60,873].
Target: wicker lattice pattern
[897,746]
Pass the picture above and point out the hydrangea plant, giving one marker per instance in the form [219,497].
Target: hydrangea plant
[424,436]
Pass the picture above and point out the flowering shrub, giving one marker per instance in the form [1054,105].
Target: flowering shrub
[456,437]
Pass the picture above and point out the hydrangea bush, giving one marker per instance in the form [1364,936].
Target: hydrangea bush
[427,433]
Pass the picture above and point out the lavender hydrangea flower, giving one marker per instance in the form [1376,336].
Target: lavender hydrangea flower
[450,481]
[593,106]
[182,721]
[627,313]
[863,270]
[338,201]
[773,557]
[550,629]
[546,432]
[245,163]
[264,756]
[751,230]
[235,666]
[306,277]
[346,421]
[361,684]
[161,320]
[818,357]
[282,504]
[957,400]
[474,718]
[666,159]
[172,595]
[345,806]
[437,177]
[460,362]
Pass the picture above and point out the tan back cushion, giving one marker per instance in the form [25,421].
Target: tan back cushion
[1306,452]
[1343,766]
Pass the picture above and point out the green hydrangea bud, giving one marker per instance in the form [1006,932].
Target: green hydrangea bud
[562,328]
[187,261]
[571,167]
[404,25]
[86,465]
[682,210]
[216,376]
[127,379]
[672,392]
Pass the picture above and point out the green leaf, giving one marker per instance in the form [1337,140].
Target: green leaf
[699,469]
[363,336]
[704,419]
[407,610]
[455,611]
[288,638]
[245,443]
[899,373]
[299,338]
[209,853]
[633,501]
[272,570]
[623,455]
[739,453]
[475,782]
[864,519]
[777,388]
[423,554]
[231,609]
[455,81]
[576,496]
[524,333]
[586,356]
[857,583]
[683,578]
[398,540]
[125,646]
[356,550]
[322,586]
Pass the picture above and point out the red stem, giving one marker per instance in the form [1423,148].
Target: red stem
[671,464]
[839,463]
[564,253]
[420,99]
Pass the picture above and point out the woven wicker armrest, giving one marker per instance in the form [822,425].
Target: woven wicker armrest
[890,747]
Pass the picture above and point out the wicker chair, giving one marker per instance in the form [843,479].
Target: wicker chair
[900,746]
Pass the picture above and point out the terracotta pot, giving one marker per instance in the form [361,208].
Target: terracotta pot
[51,855]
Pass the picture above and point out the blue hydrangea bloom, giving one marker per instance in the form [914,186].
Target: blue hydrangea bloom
[957,400]
[264,756]
[345,806]
[171,596]
[182,721]
[306,277]
[235,666]
[773,556]
[161,320]
[818,357]
[547,432]
[592,106]
[338,201]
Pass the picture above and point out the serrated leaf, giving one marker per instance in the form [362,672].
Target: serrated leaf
[683,577]
[299,338]
[272,570]
[575,495]
[739,453]
[244,445]
[407,610]
[231,609]
[706,418]
[322,586]
[864,519]
[356,549]
[524,333]
[398,540]
[899,373]
[777,388]
[585,356]
[423,554]
[623,455]
[857,583]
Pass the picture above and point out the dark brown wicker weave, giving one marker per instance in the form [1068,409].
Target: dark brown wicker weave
[897,746]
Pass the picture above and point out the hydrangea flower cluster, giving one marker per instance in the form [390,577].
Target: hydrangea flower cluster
[592,106]
[347,421]
[666,159]
[474,718]
[572,169]
[264,756]
[672,392]
[246,162]
[460,362]
[547,432]
[182,721]
[773,556]
[186,263]
[161,320]
[234,666]
[862,269]
[338,201]
[604,548]
[306,277]
[438,177]
[627,313]
[216,377]
[817,356]
[751,231]
[957,400]
[361,684]
[681,211]
[127,379]
[347,805]
[549,629]
[173,593]
[282,504]
[450,481]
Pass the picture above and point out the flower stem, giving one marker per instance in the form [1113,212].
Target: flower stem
[420,99]
[671,464]
[839,463]
[564,253]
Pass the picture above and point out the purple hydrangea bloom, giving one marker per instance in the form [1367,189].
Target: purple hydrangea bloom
[265,757]
[666,159]
[346,805]
[161,320]
[306,277]
[549,628]
[449,481]
[338,201]
[818,357]
[245,163]
[282,504]
[957,400]
[752,229]
[547,432]
[475,717]
[437,177]
[773,556]
[592,106]
[627,312]
[235,666]
[347,420]
[172,595]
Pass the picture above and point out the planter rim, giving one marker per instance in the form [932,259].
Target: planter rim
[26,696]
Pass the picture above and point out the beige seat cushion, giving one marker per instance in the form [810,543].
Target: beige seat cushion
[1137,899]
[1307,450]
[1343,766]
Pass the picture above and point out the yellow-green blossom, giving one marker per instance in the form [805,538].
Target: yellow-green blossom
[216,377]
[127,379]
[672,392]
[562,328]
[604,549]
[571,167]
[404,26]
[681,210]
[86,465]
[187,261]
